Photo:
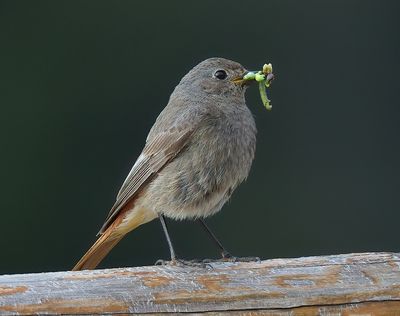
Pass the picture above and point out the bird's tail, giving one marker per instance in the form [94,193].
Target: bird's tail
[113,234]
[98,251]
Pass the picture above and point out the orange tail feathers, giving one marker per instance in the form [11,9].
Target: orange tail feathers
[122,225]
[98,251]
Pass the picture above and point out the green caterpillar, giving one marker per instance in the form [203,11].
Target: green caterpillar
[264,78]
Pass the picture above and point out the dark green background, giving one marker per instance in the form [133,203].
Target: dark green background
[81,83]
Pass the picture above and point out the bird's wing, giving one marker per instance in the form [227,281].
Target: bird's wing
[155,155]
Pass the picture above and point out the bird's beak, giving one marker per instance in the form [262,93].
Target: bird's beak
[243,82]
[240,80]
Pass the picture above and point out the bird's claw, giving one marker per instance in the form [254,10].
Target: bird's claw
[183,263]
[161,262]
[205,263]
[230,258]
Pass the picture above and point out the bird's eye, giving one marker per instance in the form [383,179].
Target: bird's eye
[220,74]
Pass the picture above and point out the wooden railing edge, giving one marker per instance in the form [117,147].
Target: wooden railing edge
[356,283]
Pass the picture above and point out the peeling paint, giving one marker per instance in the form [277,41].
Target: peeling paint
[62,306]
[153,281]
[7,290]
[213,283]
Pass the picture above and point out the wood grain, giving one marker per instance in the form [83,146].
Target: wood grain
[350,284]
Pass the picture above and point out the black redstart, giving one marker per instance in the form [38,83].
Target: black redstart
[199,150]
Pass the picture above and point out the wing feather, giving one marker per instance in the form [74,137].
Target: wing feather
[156,154]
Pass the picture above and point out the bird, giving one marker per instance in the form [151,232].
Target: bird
[198,151]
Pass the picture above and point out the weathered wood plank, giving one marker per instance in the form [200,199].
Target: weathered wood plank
[355,284]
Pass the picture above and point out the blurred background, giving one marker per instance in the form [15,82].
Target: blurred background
[81,83]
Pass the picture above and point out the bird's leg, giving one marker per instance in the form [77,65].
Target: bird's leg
[226,256]
[224,253]
[169,241]
[174,259]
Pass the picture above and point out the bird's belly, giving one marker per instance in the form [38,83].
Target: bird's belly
[197,185]
[187,194]
[203,207]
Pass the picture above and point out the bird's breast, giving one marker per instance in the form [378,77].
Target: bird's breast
[202,177]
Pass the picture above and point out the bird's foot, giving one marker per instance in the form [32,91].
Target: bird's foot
[183,263]
[162,262]
[227,257]
[242,259]
[205,263]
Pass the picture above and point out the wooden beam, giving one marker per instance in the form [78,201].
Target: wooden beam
[350,284]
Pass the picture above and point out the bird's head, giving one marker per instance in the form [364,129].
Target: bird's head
[216,76]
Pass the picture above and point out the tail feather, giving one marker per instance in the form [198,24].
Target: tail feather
[97,252]
[122,225]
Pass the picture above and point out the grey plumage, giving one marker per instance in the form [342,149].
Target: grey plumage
[198,151]
[220,150]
